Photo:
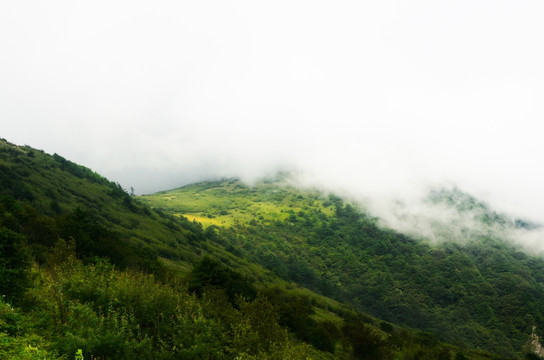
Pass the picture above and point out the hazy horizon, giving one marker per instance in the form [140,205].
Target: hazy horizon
[376,100]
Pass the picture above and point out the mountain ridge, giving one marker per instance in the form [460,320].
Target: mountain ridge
[479,259]
[74,229]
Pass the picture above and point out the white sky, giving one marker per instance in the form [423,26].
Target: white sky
[376,97]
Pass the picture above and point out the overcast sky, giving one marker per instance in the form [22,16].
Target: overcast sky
[375,97]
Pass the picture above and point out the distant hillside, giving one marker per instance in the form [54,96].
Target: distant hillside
[481,212]
[230,202]
[483,292]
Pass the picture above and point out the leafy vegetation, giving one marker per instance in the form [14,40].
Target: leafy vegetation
[90,272]
[484,292]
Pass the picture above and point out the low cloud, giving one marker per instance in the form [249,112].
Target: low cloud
[377,101]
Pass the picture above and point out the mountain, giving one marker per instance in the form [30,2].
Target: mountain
[223,270]
[87,271]
[62,199]
[481,290]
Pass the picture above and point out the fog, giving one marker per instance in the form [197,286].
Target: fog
[376,100]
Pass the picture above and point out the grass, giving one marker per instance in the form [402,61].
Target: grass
[229,202]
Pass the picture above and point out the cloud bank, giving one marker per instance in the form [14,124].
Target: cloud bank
[377,100]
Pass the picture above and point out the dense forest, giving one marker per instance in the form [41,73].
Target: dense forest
[91,272]
[484,292]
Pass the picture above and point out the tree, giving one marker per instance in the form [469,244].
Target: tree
[14,264]
[211,273]
[366,343]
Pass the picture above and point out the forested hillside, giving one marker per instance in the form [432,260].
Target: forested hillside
[484,291]
[89,272]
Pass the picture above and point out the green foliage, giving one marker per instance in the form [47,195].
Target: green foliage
[57,198]
[14,264]
[258,329]
[532,356]
[96,274]
[23,348]
[110,314]
[16,340]
[209,272]
[484,293]
[366,342]
[459,356]
[295,313]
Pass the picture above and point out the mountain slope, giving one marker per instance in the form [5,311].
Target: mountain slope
[62,227]
[61,198]
[484,292]
[54,186]
[90,268]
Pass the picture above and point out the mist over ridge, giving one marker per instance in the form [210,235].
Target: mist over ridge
[375,101]
[438,213]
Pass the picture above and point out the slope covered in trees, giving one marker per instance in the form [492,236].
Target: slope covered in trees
[88,271]
[482,291]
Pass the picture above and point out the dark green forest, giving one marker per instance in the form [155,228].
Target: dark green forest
[485,293]
[88,271]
